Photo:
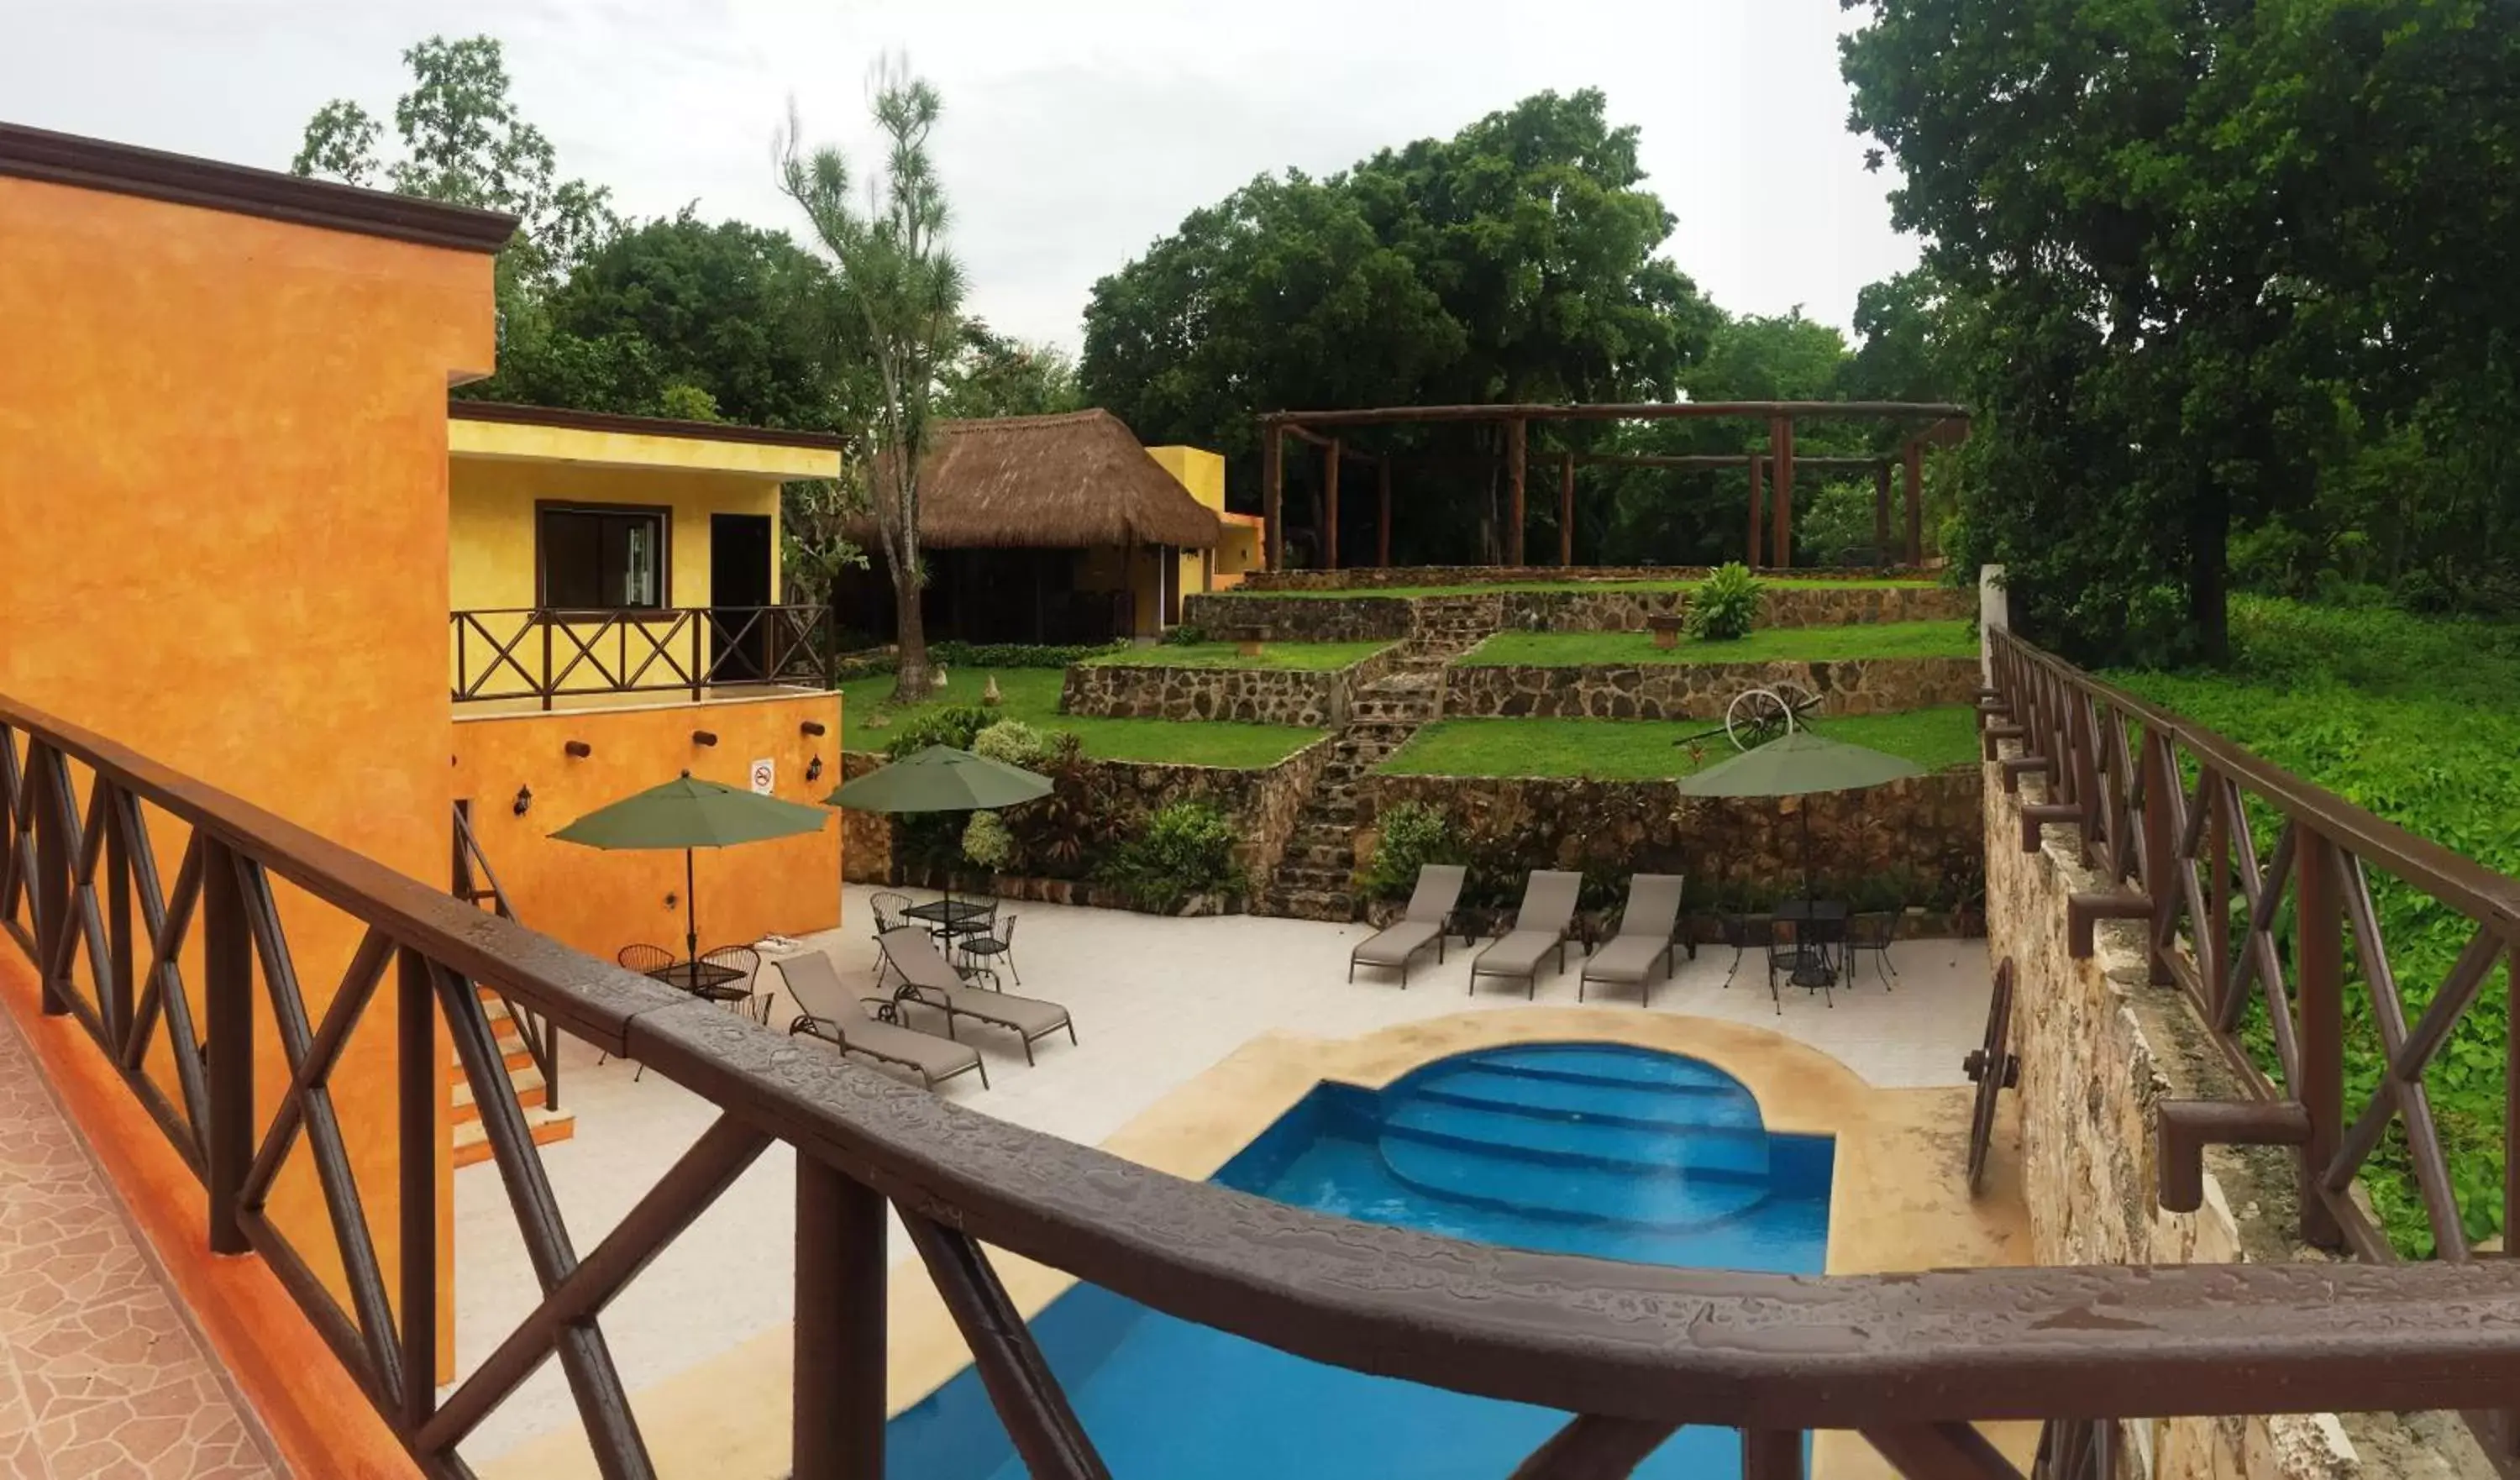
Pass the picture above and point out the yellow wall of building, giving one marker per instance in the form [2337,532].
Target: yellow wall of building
[1202,472]
[491,521]
[223,474]
[602,901]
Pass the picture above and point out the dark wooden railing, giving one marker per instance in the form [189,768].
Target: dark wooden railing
[530,653]
[1627,1352]
[2161,810]
[473,882]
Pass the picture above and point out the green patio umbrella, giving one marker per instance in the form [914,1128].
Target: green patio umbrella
[942,779]
[687,813]
[1798,764]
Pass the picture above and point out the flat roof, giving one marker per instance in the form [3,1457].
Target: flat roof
[497,430]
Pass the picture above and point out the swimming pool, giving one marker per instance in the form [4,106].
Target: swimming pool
[1621,1153]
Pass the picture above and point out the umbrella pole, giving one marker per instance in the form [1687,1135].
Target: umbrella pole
[691,910]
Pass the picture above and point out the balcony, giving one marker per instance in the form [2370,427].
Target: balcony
[516,660]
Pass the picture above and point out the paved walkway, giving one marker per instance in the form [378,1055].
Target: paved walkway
[1158,1002]
[99,1378]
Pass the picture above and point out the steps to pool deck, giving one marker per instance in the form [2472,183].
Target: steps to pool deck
[524,1080]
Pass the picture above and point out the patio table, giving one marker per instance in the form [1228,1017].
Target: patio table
[702,979]
[956,916]
[1814,967]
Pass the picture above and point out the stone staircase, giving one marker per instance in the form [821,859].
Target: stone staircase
[477,884]
[1316,878]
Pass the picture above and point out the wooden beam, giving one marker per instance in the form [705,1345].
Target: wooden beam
[1330,505]
[1647,411]
[1757,465]
[1382,519]
[1566,509]
[1780,448]
[1273,481]
[1697,462]
[1513,459]
[1880,508]
[1916,503]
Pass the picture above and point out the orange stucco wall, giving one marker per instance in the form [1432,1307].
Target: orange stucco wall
[223,492]
[601,901]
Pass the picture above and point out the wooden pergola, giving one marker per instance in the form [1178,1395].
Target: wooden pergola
[1936,425]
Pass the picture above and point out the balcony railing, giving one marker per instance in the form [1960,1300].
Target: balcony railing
[547,655]
[1627,1351]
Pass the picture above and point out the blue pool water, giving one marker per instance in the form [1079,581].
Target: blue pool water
[1621,1153]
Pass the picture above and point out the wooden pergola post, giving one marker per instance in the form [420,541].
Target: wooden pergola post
[1758,466]
[1382,520]
[1882,509]
[1566,509]
[1916,503]
[1781,447]
[1329,504]
[1273,479]
[1513,456]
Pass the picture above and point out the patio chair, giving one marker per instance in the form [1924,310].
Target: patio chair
[997,946]
[1427,920]
[741,959]
[1873,933]
[1648,930]
[1539,928]
[824,1012]
[887,907]
[642,958]
[929,980]
[1800,949]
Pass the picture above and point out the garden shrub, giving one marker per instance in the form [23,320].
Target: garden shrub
[1185,848]
[1185,636]
[1015,654]
[1011,742]
[1411,836]
[1067,834]
[1726,605]
[955,725]
[987,842]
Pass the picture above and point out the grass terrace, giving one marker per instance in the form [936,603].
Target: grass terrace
[1031,695]
[1643,749]
[1690,583]
[1290,658]
[1569,650]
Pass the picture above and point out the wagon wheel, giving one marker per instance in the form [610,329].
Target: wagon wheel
[1757,716]
[1995,1068]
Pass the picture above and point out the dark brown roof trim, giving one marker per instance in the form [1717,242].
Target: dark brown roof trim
[650,427]
[35,154]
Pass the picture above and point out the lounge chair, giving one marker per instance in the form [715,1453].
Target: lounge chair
[1647,927]
[1539,928]
[1429,914]
[825,1013]
[929,980]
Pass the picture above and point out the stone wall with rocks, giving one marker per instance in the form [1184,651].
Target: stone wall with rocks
[1921,836]
[1264,804]
[2101,1047]
[1153,690]
[1376,577]
[1702,691]
[1299,618]
[1332,618]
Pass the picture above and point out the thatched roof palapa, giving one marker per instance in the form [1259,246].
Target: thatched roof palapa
[1077,480]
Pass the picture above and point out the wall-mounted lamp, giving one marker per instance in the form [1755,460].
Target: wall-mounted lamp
[703,738]
[812,727]
[578,749]
[814,769]
[524,800]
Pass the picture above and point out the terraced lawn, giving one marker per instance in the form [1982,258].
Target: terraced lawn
[1644,749]
[1567,650]
[1482,588]
[1031,695]
[1291,657]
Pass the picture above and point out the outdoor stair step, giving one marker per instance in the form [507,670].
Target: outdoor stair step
[544,1124]
[527,1082]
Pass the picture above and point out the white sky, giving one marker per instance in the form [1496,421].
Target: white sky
[1076,131]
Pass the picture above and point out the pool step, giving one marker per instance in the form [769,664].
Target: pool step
[1594,1063]
[1645,1106]
[1669,1201]
[1737,1152]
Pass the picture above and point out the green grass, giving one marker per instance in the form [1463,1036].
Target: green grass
[1566,650]
[1482,588]
[1643,749]
[1031,695]
[1298,658]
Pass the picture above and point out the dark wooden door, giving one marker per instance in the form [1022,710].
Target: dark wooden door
[739,593]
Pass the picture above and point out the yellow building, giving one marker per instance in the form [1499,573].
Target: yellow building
[1241,540]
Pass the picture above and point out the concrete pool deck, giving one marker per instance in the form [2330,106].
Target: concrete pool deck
[1195,1036]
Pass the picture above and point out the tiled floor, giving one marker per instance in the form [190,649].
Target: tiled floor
[1158,1002]
[100,1378]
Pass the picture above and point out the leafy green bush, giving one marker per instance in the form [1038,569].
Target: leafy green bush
[1015,654]
[1185,848]
[1411,836]
[1011,742]
[1725,605]
[955,725]
[1185,636]
[1067,834]
[987,842]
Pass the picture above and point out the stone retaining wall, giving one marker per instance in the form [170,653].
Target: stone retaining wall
[1924,832]
[1264,804]
[2101,1047]
[1376,577]
[1702,691]
[1322,618]
[1300,618]
[1151,690]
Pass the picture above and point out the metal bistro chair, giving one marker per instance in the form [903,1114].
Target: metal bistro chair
[1739,931]
[996,946]
[887,907]
[1873,933]
[643,960]
[1800,947]
[739,995]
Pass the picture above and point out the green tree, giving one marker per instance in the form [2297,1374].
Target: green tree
[993,376]
[900,297]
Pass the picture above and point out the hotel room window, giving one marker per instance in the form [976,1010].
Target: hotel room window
[600,558]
